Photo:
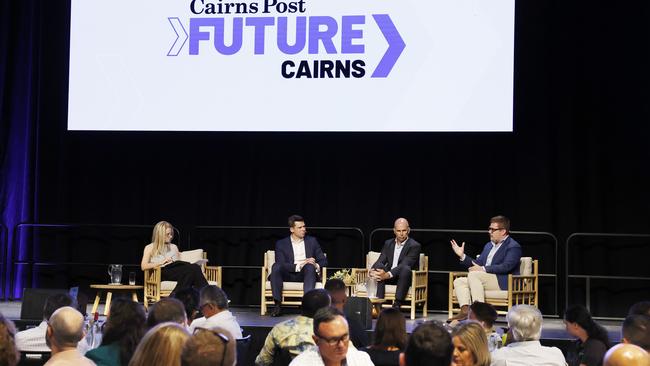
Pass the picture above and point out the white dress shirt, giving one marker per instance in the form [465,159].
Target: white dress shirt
[529,353]
[299,255]
[312,357]
[224,320]
[33,340]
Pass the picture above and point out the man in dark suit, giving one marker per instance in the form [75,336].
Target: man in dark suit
[500,257]
[398,257]
[297,258]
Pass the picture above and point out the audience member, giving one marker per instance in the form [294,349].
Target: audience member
[429,344]
[123,330]
[640,308]
[626,355]
[210,347]
[486,315]
[389,339]
[339,295]
[525,323]
[167,309]
[470,345]
[33,339]
[9,354]
[213,303]
[64,331]
[162,345]
[636,330]
[294,335]
[332,339]
[190,299]
[593,340]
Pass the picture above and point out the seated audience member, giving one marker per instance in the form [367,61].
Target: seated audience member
[190,299]
[636,330]
[429,344]
[339,295]
[33,339]
[640,308]
[470,345]
[210,347]
[525,323]
[332,339]
[486,315]
[593,340]
[123,330]
[161,345]
[213,303]
[167,309]
[64,331]
[9,354]
[389,339]
[294,335]
[626,355]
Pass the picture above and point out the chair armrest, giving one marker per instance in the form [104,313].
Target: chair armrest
[360,275]
[213,273]
[420,278]
[152,276]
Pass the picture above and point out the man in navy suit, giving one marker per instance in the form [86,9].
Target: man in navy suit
[297,258]
[500,257]
[398,257]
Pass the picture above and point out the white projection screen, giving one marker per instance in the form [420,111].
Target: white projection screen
[306,65]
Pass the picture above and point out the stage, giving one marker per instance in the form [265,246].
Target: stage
[553,332]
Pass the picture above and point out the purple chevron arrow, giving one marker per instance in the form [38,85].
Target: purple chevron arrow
[395,45]
[178,27]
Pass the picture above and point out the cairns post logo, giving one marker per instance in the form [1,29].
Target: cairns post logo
[206,34]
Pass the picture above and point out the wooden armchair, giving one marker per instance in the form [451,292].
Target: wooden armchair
[522,289]
[154,288]
[291,291]
[417,293]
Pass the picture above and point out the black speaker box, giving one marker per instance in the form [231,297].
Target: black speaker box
[359,309]
[34,300]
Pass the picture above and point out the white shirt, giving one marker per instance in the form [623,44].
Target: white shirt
[33,340]
[299,255]
[397,252]
[70,357]
[493,251]
[529,353]
[312,357]
[224,320]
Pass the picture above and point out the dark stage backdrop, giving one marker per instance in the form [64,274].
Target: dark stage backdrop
[577,160]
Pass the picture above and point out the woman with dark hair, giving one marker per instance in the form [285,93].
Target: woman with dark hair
[9,354]
[593,341]
[124,328]
[389,339]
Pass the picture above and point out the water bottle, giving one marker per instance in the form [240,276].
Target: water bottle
[371,287]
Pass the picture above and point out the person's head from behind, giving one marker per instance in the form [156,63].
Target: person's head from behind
[55,302]
[212,300]
[636,330]
[314,300]
[483,313]
[125,325]
[640,308]
[338,292]
[167,309]
[390,331]
[9,354]
[470,345]
[64,329]
[626,355]
[162,345]
[579,323]
[331,334]
[429,344]
[210,347]
[190,298]
[525,323]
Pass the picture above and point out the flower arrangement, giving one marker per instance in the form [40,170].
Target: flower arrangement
[345,276]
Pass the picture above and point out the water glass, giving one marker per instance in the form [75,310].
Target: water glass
[131,278]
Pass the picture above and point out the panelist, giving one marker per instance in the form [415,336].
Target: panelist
[298,258]
[398,257]
[500,257]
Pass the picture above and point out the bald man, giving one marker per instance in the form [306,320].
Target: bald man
[64,330]
[626,355]
[398,257]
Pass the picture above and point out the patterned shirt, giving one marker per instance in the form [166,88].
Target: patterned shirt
[293,335]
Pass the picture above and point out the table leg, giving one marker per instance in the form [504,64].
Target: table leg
[108,302]
[96,303]
[134,296]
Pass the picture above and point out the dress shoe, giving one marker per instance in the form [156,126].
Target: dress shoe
[464,310]
[277,311]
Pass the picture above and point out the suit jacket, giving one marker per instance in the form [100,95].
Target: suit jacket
[284,253]
[505,261]
[409,257]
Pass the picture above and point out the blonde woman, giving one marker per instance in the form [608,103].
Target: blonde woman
[163,253]
[470,346]
[162,345]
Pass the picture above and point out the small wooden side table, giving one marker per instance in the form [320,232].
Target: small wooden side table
[376,306]
[109,293]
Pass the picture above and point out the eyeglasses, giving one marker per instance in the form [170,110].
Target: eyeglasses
[334,341]
[224,338]
[493,229]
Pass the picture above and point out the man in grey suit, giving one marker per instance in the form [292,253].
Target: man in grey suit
[398,257]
